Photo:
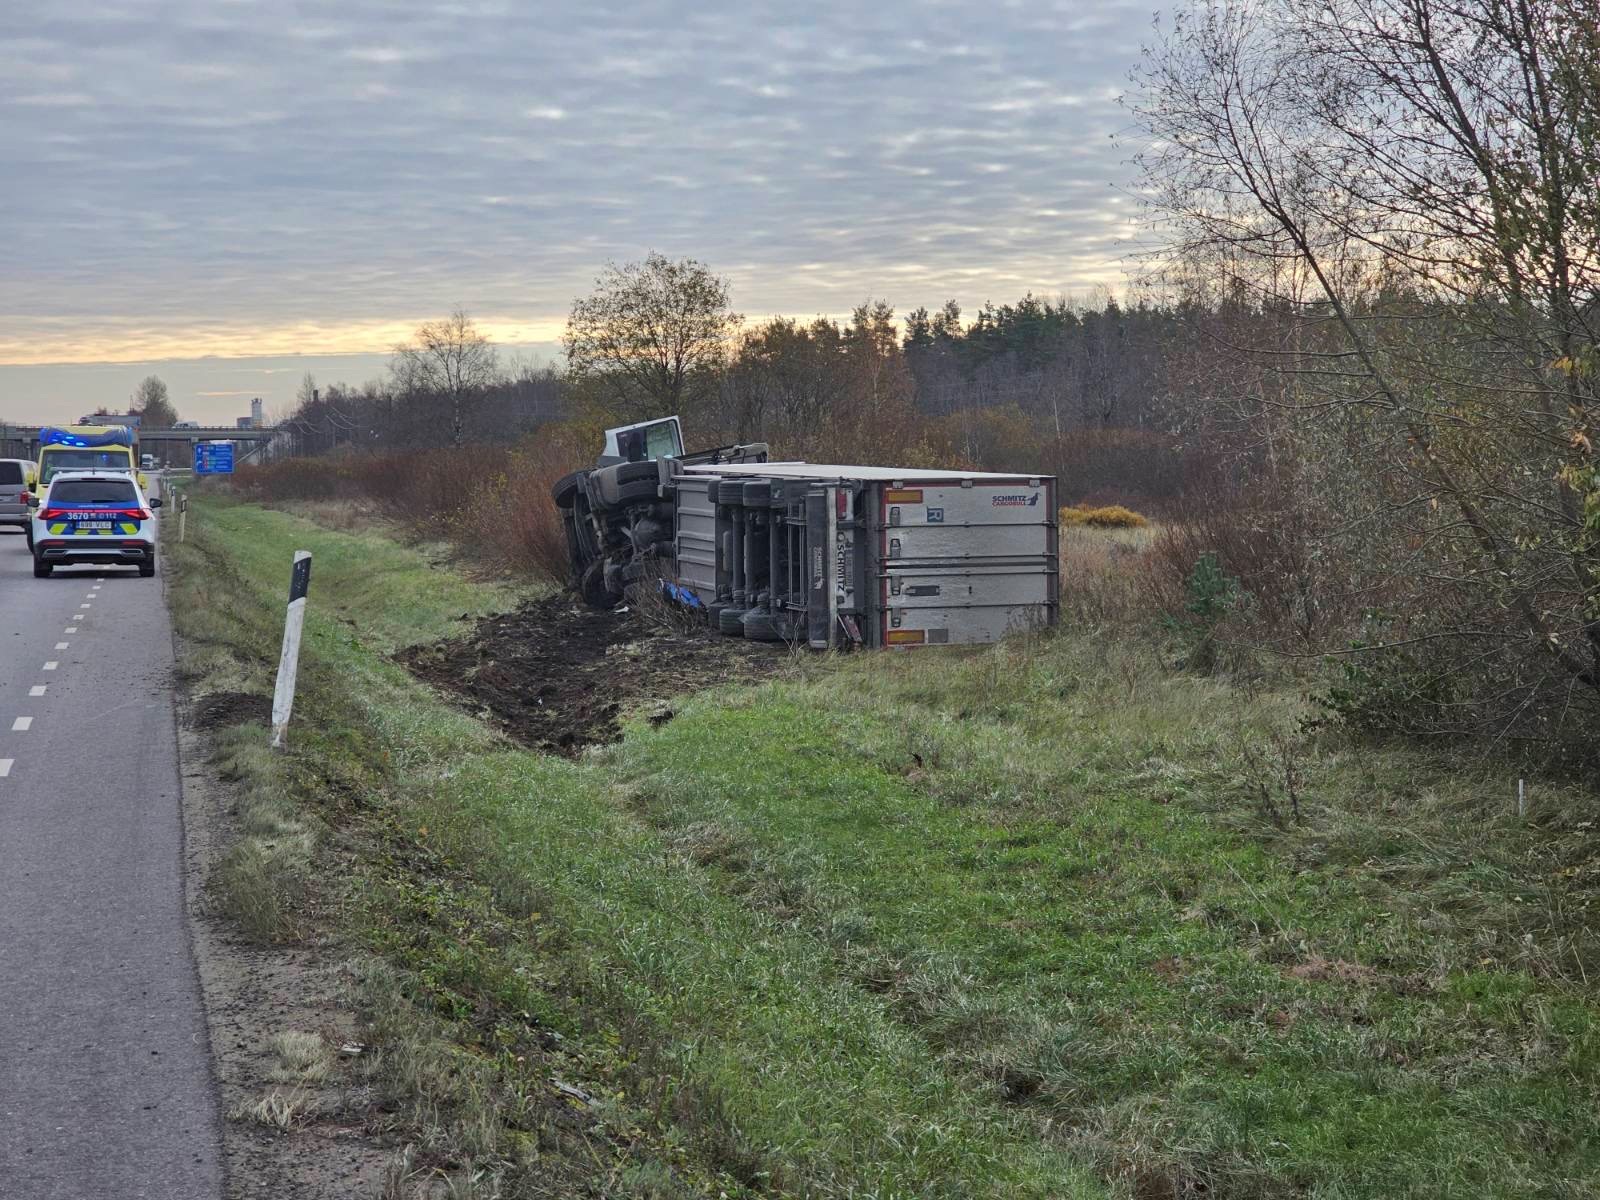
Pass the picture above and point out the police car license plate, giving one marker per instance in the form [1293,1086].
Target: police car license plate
[94,524]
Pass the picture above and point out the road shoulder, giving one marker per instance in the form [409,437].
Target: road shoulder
[296,1124]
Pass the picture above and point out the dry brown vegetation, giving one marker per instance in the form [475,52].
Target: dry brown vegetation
[491,501]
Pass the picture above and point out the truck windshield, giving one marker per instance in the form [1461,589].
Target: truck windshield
[93,491]
[661,441]
[111,458]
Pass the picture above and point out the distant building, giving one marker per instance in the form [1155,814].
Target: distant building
[258,416]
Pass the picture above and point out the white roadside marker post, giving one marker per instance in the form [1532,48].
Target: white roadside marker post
[289,661]
[183,514]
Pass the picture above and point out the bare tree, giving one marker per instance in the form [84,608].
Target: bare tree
[450,359]
[649,340]
[151,401]
[1419,182]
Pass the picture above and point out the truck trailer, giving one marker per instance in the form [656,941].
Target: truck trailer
[826,555]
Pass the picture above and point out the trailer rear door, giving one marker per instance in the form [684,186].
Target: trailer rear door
[967,561]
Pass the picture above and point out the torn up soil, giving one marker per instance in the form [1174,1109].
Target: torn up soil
[217,709]
[558,676]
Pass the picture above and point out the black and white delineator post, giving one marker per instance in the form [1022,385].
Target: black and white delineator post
[289,660]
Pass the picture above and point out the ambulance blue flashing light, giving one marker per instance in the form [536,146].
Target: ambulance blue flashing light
[118,435]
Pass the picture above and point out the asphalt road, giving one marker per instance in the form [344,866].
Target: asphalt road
[105,1075]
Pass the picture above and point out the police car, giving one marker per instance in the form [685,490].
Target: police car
[93,518]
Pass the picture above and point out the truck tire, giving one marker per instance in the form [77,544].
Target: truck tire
[757,495]
[730,621]
[566,488]
[730,491]
[760,626]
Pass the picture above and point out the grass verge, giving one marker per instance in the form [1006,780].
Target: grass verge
[1045,919]
[556,996]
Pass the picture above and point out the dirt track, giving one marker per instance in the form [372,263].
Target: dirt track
[557,675]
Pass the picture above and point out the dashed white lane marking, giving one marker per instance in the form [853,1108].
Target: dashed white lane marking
[21,724]
[62,645]
[37,689]
[85,604]
[50,666]
[5,766]
[70,629]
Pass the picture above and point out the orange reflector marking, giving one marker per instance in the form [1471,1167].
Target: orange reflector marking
[903,496]
[905,637]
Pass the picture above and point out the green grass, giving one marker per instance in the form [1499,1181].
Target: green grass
[1029,856]
[391,593]
[1032,920]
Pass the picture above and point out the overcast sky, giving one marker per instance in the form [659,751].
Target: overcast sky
[228,178]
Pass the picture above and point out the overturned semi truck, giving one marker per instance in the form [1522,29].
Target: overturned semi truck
[828,555]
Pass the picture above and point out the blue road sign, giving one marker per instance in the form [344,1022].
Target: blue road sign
[213,458]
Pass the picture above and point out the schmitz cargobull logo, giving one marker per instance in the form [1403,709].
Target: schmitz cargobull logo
[1015,500]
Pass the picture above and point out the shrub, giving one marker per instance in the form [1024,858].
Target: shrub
[1112,516]
[1211,595]
[492,501]
[512,519]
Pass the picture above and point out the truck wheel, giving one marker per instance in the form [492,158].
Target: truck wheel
[41,570]
[565,490]
[760,627]
[730,621]
[730,491]
[758,495]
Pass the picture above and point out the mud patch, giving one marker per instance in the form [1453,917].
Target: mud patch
[1324,970]
[558,676]
[229,708]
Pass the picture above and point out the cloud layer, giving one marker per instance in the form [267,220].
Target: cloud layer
[219,177]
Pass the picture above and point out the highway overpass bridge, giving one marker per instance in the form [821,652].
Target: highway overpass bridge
[174,447]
